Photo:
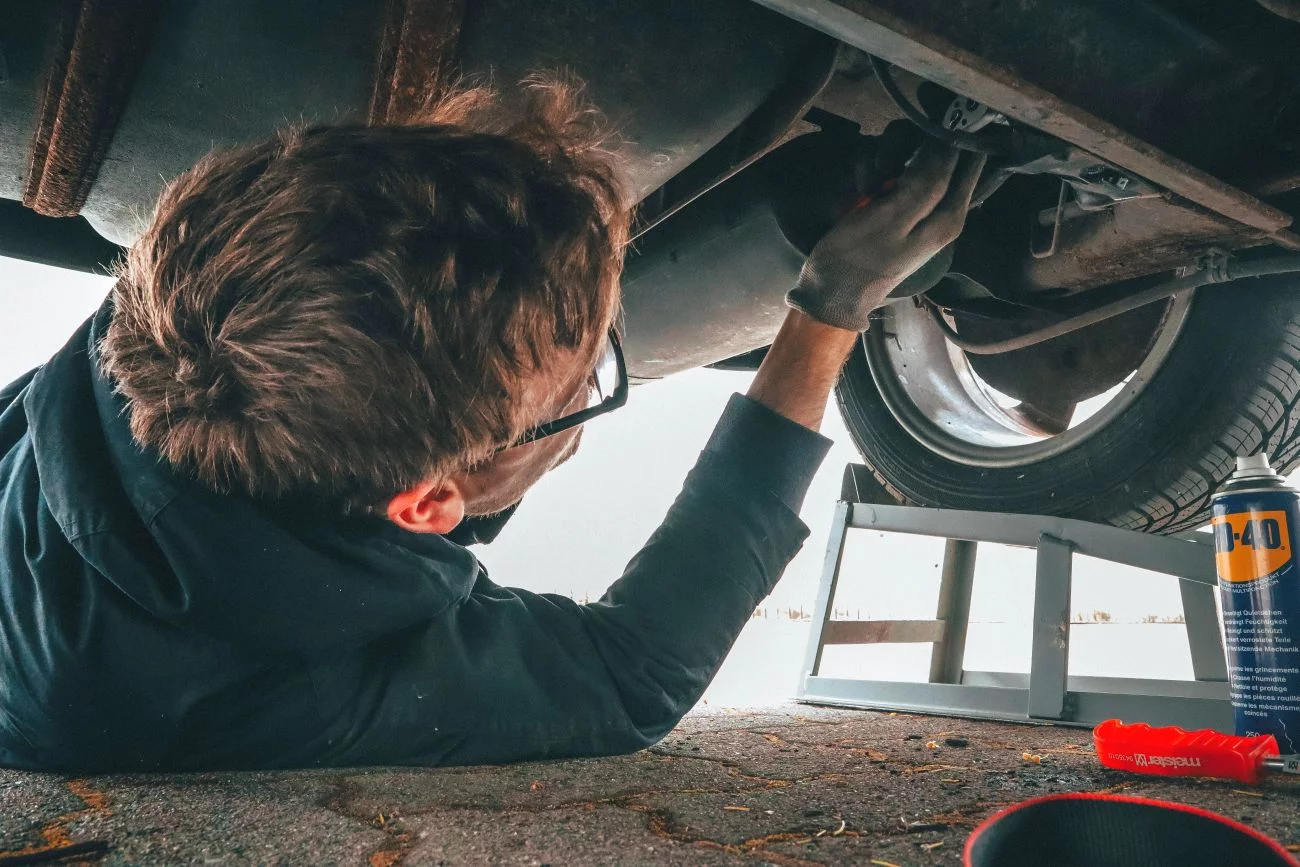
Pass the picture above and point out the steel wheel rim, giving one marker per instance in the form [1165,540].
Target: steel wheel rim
[930,390]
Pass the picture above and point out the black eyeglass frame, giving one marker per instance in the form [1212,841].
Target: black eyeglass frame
[582,416]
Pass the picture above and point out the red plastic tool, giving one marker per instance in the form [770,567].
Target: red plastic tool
[1172,752]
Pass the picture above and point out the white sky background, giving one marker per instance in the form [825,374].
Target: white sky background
[579,526]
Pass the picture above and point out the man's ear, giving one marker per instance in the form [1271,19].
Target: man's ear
[429,507]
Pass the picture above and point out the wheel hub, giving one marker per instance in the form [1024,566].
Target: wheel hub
[935,392]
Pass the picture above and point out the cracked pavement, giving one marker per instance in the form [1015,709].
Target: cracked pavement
[795,786]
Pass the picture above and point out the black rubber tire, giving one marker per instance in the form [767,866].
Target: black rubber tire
[1230,385]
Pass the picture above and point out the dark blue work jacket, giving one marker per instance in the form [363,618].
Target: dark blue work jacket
[147,623]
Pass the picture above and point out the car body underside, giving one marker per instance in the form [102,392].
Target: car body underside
[1132,143]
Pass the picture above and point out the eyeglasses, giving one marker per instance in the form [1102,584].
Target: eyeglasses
[607,389]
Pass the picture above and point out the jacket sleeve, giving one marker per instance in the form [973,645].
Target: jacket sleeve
[511,675]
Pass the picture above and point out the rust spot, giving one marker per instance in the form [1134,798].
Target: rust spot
[417,57]
[96,802]
[101,47]
[392,853]
[55,834]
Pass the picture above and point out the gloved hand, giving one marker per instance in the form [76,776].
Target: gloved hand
[875,247]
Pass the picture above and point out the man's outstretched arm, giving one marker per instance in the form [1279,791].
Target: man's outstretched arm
[512,675]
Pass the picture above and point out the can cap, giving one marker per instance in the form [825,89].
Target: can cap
[1253,466]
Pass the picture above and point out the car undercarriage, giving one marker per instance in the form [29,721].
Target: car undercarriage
[1115,323]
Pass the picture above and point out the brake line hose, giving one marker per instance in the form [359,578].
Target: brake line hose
[1221,270]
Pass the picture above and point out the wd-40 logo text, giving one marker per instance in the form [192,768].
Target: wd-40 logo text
[1249,546]
[1142,761]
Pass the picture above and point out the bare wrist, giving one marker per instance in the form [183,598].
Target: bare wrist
[802,366]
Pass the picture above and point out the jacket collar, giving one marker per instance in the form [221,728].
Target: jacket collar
[267,578]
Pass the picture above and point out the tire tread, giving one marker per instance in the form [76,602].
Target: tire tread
[1171,490]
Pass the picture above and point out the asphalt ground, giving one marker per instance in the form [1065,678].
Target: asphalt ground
[795,786]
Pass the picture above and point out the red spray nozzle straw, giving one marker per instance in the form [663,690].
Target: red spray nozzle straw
[1172,752]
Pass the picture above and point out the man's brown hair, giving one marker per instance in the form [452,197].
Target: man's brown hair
[341,312]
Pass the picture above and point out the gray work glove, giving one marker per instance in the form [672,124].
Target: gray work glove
[874,248]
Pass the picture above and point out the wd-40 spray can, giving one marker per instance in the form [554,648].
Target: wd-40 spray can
[1254,521]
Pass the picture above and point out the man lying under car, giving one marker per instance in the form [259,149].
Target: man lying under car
[233,508]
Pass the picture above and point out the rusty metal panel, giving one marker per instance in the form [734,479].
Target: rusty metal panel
[1133,64]
[1144,236]
[922,38]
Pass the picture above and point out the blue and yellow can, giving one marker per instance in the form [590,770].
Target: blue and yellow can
[1255,518]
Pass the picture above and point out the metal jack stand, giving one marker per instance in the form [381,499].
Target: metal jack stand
[1048,693]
